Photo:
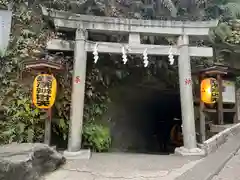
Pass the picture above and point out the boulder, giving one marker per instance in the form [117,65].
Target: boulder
[28,161]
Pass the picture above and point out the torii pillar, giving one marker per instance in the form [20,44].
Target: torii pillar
[78,92]
[186,95]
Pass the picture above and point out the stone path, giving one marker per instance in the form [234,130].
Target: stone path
[125,166]
[231,170]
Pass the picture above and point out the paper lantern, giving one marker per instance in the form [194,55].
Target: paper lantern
[44,91]
[209,90]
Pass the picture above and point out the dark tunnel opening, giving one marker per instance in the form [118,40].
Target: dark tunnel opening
[165,114]
[151,117]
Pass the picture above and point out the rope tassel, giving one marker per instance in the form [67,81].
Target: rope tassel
[124,56]
[95,54]
[145,58]
[170,57]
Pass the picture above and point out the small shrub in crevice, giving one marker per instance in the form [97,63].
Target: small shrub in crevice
[96,137]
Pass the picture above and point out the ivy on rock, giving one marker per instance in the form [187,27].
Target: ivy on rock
[23,122]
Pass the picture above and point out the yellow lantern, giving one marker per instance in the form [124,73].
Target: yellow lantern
[44,91]
[209,90]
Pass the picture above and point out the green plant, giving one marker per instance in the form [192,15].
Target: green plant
[23,122]
[97,137]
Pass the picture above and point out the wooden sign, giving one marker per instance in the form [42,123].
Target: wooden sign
[228,94]
[44,91]
[209,90]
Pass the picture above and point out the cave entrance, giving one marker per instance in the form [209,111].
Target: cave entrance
[147,118]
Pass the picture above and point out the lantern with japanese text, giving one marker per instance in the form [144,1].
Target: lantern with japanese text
[209,90]
[44,91]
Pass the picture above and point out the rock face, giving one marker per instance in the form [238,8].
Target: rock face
[28,161]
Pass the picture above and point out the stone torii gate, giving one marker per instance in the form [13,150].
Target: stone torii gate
[82,24]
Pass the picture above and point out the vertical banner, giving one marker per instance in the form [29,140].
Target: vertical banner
[5,29]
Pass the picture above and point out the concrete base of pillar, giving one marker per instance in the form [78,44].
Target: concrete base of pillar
[189,152]
[82,154]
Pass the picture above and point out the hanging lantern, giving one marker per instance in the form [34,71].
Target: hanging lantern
[209,90]
[44,91]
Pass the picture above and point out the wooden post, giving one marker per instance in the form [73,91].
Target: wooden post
[237,105]
[78,92]
[220,100]
[48,124]
[235,118]
[202,116]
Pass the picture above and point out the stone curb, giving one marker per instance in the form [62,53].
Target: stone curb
[214,162]
[212,144]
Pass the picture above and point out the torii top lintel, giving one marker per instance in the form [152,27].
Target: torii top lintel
[69,21]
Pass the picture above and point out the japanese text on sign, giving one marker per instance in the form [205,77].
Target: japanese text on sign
[228,93]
